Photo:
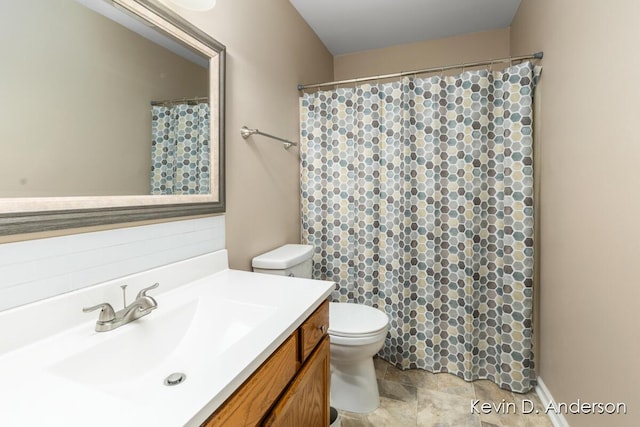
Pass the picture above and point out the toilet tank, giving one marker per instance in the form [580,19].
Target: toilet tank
[288,260]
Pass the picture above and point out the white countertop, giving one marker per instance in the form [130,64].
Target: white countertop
[216,328]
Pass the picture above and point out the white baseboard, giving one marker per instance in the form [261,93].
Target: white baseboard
[558,420]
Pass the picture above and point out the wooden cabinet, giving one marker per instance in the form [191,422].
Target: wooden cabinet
[248,405]
[291,388]
[312,330]
[305,402]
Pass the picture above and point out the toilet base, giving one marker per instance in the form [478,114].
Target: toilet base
[354,387]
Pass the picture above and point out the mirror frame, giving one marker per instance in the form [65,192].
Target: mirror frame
[38,214]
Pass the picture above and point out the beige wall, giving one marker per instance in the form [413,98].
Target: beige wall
[587,153]
[425,54]
[270,49]
[75,113]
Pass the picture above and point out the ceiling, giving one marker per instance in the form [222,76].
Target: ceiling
[347,26]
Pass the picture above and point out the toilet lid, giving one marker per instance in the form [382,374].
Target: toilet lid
[346,319]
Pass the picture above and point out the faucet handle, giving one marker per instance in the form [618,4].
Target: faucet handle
[106,313]
[143,292]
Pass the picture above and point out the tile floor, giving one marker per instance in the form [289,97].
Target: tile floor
[422,399]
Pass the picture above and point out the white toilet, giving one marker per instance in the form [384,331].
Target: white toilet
[356,332]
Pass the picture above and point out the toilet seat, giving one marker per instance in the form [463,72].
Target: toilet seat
[354,321]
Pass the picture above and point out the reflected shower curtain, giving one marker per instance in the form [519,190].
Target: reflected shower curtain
[180,149]
[418,198]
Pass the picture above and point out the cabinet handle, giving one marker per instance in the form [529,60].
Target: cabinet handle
[323,329]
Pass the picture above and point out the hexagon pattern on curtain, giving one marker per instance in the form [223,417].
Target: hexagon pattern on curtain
[180,149]
[418,198]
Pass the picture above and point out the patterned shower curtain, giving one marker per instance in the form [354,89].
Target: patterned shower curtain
[180,149]
[418,198]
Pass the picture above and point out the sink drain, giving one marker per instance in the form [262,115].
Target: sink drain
[175,379]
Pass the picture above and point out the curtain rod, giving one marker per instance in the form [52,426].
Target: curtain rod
[537,55]
[180,101]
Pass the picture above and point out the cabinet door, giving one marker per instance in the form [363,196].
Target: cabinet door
[306,401]
[251,402]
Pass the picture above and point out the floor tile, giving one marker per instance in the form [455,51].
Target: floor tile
[391,413]
[419,398]
[449,383]
[501,401]
[354,421]
[397,391]
[488,391]
[537,421]
[502,420]
[532,410]
[414,377]
[438,409]
[504,408]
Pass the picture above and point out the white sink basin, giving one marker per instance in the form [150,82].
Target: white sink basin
[130,351]
[139,348]
[216,329]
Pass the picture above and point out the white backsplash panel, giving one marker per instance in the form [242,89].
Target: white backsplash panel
[39,269]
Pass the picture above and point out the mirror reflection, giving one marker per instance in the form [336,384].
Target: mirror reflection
[92,108]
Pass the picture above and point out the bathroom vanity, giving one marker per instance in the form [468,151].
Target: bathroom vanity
[253,349]
[294,381]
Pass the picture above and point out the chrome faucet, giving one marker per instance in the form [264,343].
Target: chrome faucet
[109,320]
